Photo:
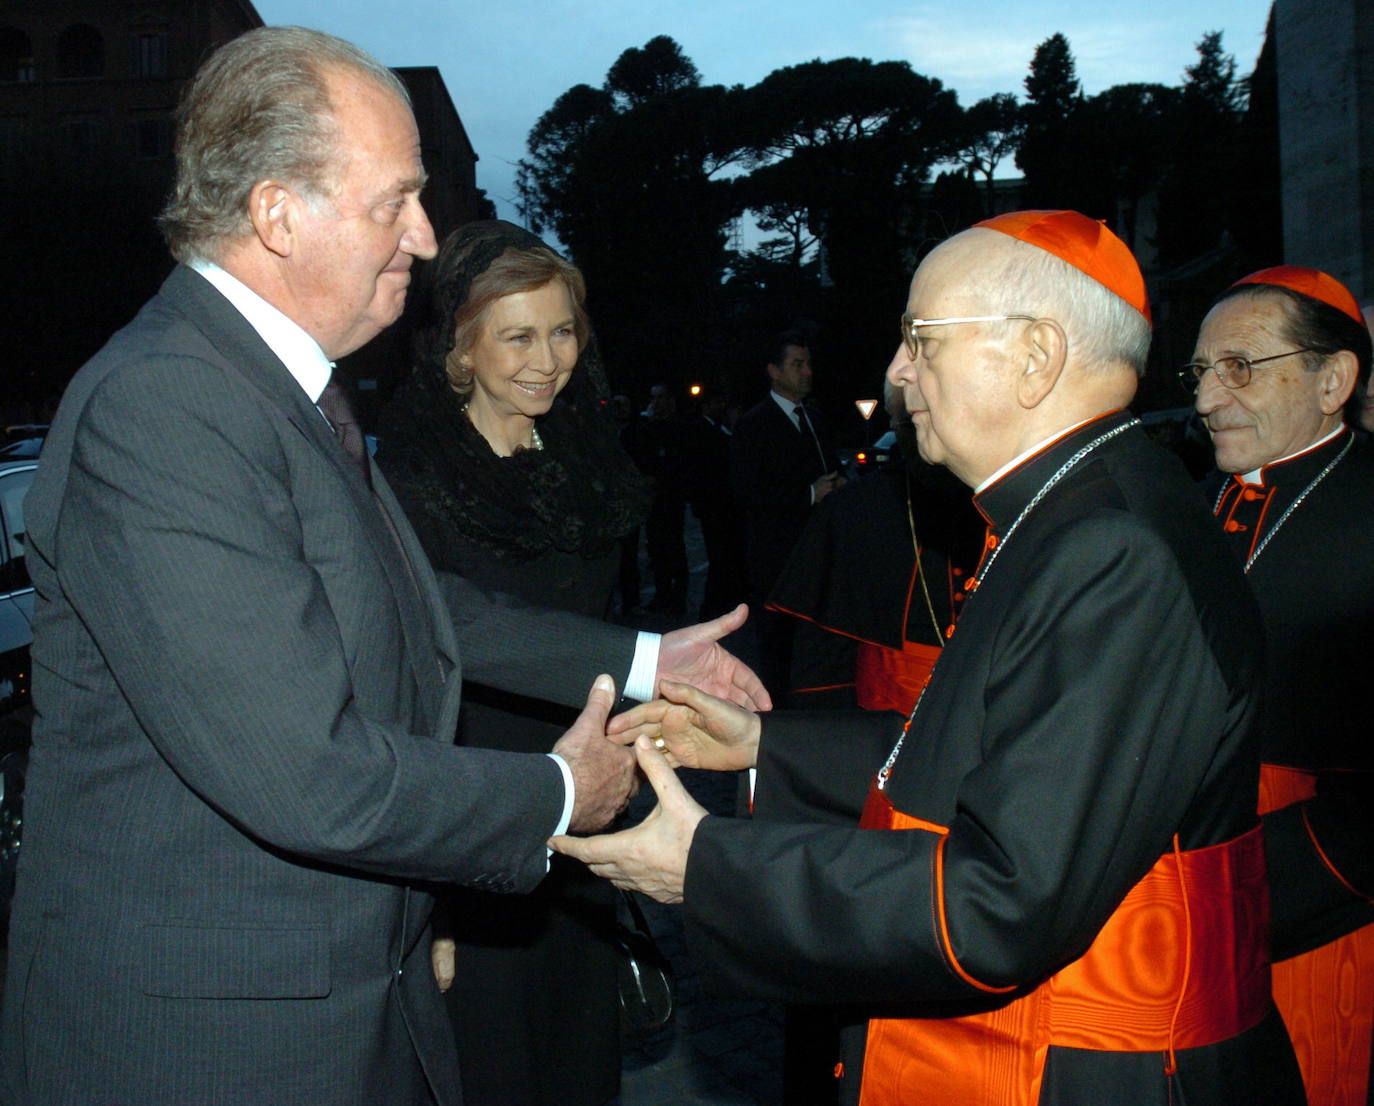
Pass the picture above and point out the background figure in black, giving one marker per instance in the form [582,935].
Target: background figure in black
[664,451]
[512,476]
[870,617]
[636,447]
[783,463]
[707,473]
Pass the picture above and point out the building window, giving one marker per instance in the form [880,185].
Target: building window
[80,52]
[16,56]
[150,54]
[153,137]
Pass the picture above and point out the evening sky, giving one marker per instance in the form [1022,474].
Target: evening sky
[506,61]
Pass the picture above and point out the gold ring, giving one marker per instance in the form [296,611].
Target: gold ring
[660,744]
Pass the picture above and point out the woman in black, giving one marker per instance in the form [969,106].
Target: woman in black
[512,476]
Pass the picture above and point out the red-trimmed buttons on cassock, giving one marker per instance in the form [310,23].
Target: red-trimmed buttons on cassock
[1233,527]
[1252,494]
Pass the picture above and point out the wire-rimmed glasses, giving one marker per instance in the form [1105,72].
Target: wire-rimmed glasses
[912,340]
[1232,372]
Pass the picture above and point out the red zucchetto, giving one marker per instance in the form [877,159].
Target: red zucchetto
[1309,282]
[1086,244]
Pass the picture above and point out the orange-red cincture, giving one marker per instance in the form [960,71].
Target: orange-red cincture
[891,679]
[1326,996]
[1280,787]
[1182,962]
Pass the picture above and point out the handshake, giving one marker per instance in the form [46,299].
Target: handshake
[686,728]
[603,770]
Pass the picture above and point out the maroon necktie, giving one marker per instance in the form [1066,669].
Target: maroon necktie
[337,409]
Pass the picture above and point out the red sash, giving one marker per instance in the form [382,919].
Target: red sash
[892,679]
[1326,996]
[1181,963]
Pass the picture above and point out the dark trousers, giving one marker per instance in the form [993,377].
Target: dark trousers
[628,582]
[725,587]
[663,533]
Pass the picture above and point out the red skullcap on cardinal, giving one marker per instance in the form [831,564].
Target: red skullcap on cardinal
[1084,243]
[1308,282]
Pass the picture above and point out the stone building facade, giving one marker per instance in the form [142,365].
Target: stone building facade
[1326,128]
[88,92]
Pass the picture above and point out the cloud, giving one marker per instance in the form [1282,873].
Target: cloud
[977,59]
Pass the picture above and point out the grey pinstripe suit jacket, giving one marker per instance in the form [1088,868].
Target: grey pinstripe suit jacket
[242,771]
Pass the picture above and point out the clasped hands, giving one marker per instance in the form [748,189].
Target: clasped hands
[604,772]
[686,728]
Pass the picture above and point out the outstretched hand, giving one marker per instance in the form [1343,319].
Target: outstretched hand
[693,655]
[651,857]
[692,729]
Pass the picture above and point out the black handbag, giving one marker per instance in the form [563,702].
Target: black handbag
[645,976]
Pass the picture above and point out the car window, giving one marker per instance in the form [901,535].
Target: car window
[14,573]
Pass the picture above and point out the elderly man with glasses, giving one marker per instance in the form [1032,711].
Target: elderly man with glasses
[1046,884]
[1274,370]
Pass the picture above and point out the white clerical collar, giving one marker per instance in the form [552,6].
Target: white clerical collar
[299,352]
[1036,448]
[1256,476]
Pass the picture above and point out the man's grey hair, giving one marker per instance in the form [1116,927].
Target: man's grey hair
[1102,328]
[258,109]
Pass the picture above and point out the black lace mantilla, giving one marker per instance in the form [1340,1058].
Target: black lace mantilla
[579,494]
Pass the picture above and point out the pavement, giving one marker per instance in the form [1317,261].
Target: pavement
[717,1051]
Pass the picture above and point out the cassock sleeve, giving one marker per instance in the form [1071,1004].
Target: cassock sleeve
[1103,708]
[815,766]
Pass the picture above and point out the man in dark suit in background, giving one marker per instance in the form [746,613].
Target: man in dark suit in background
[783,463]
[712,499]
[246,673]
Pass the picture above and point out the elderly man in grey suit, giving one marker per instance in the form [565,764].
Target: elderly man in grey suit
[246,673]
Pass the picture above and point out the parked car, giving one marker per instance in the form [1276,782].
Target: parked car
[878,456]
[16,634]
[23,441]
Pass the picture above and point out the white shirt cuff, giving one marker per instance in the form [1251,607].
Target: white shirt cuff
[569,795]
[640,683]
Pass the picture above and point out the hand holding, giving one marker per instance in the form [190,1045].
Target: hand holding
[693,655]
[651,857]
[824,485]
[692,729]
[603,772]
